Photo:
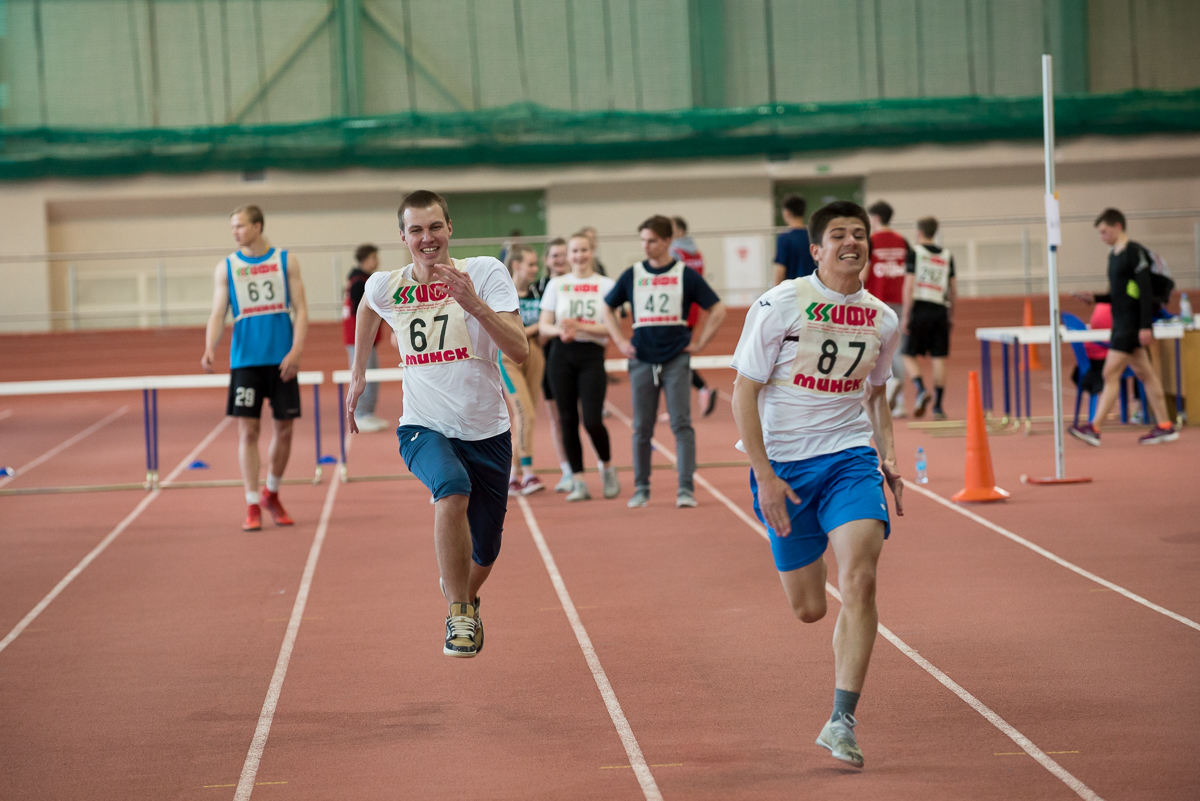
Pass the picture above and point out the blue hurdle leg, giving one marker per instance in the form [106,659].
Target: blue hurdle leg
[154,430]
[985,368]
[317,430]
[146,431]
[1007,390]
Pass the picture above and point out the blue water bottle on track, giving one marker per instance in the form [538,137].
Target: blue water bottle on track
[922,476]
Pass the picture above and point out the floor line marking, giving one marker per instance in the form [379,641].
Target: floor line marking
[624,731]
[108,540]
[1022,753]
[1027,745]
[1074,568]
[6,414]
[258,743]
[57,449]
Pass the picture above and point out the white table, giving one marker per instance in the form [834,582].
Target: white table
[1016,335]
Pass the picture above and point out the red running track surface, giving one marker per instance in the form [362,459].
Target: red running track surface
[146,675]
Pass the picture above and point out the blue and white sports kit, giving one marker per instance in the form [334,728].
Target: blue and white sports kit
[260,298]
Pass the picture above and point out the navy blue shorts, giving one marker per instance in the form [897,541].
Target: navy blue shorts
[477,469]
[834,489]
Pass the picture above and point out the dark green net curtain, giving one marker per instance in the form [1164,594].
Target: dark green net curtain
[101,87]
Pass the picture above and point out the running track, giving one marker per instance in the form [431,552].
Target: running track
[146,676]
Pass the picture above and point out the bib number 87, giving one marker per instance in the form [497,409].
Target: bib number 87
[829,354]
[416,333]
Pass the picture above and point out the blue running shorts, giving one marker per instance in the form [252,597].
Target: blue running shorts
[478,469]
[834,489]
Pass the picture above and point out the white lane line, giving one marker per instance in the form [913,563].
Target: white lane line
[6,414]
[112,535]
[258,744]
[1074,568]
[624,731]
[57,449]
[1027,745]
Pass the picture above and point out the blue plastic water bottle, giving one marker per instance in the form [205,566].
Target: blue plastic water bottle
[922,476]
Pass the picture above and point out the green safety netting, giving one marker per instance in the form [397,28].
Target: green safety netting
[526,133]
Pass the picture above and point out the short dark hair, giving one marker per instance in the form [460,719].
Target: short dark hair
[422,199]
[254,214]
[927,226]
[555,242]
[839,208]
[883,210]
[659,224]
[363,252]
[680,223]
[1110,217]
[795,205]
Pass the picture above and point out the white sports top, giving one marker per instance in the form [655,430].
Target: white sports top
[581,299]
[816,350]
[452,379]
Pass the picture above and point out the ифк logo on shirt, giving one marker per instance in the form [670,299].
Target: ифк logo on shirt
[841,315]
[420,293]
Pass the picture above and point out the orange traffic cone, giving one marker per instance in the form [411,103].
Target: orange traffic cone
[980,480]
[1031,351]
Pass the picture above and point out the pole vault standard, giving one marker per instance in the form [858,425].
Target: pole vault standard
[1053,241]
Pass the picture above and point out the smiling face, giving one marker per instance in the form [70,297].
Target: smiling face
[844,247]
[556,260]
[579,252]
[654,246]
[245,233]
[427,234]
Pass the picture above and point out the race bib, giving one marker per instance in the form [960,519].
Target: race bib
[658,299]
[932,279]
[579,299]
[259,287]
[838,343]
[430,326]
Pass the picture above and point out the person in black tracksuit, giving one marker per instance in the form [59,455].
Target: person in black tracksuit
[1132,298]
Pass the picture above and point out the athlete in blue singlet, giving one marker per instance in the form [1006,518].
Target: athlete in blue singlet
[262,287]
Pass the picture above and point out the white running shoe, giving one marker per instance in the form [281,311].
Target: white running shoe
[641,497]
[460,632]
[685,499]
[838,737]
[579,492]
[612,486]
[565,484]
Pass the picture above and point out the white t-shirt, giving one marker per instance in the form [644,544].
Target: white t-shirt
[462,399]
[580,299]
[800,424]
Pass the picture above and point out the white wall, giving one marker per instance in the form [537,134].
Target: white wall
[327,214]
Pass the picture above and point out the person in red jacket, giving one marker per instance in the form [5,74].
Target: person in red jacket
[366,259]
[884,278]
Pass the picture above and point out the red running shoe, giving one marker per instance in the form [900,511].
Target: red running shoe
[270,501]
[253,518]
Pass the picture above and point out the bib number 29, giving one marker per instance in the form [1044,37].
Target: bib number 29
[416,333]
[829,354]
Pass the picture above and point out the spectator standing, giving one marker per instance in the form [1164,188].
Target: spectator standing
[684,249]
[793,256]
[884,278]
[929,292]
[556,265]
[366,262]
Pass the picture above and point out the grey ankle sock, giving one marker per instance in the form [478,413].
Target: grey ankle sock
[844,703]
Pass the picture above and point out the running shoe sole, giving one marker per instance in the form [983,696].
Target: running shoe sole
[1084,436]
[1158,439]
[854,757]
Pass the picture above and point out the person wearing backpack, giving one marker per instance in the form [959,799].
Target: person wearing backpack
[1132,294]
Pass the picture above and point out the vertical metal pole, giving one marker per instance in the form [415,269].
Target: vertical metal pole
[162,296]
[1027,260]
[1060,460]
[73,294]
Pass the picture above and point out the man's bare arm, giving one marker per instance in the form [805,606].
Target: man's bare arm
[773,492]
[880,415]
[290,365]
[778,274]
[216,319]
[712,323]
[365,326]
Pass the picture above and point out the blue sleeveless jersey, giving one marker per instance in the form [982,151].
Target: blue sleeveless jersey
[261,299]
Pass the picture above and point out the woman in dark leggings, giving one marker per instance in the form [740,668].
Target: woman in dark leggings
[572,310]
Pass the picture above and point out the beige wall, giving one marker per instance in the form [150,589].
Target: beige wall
[323,216]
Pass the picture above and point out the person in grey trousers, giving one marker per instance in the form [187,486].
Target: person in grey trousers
[661,291]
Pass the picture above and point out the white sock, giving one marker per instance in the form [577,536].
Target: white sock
[512,473]
[251,498]
[603,469]
[273,483]
[566,468]
[526,471]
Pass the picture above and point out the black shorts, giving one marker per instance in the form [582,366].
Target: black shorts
[1124,340]
[248,386]
[928,331]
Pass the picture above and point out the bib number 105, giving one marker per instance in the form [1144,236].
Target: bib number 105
[829,355]
[416,333]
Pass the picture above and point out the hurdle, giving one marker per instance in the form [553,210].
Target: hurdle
[149,386]
[387,374]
